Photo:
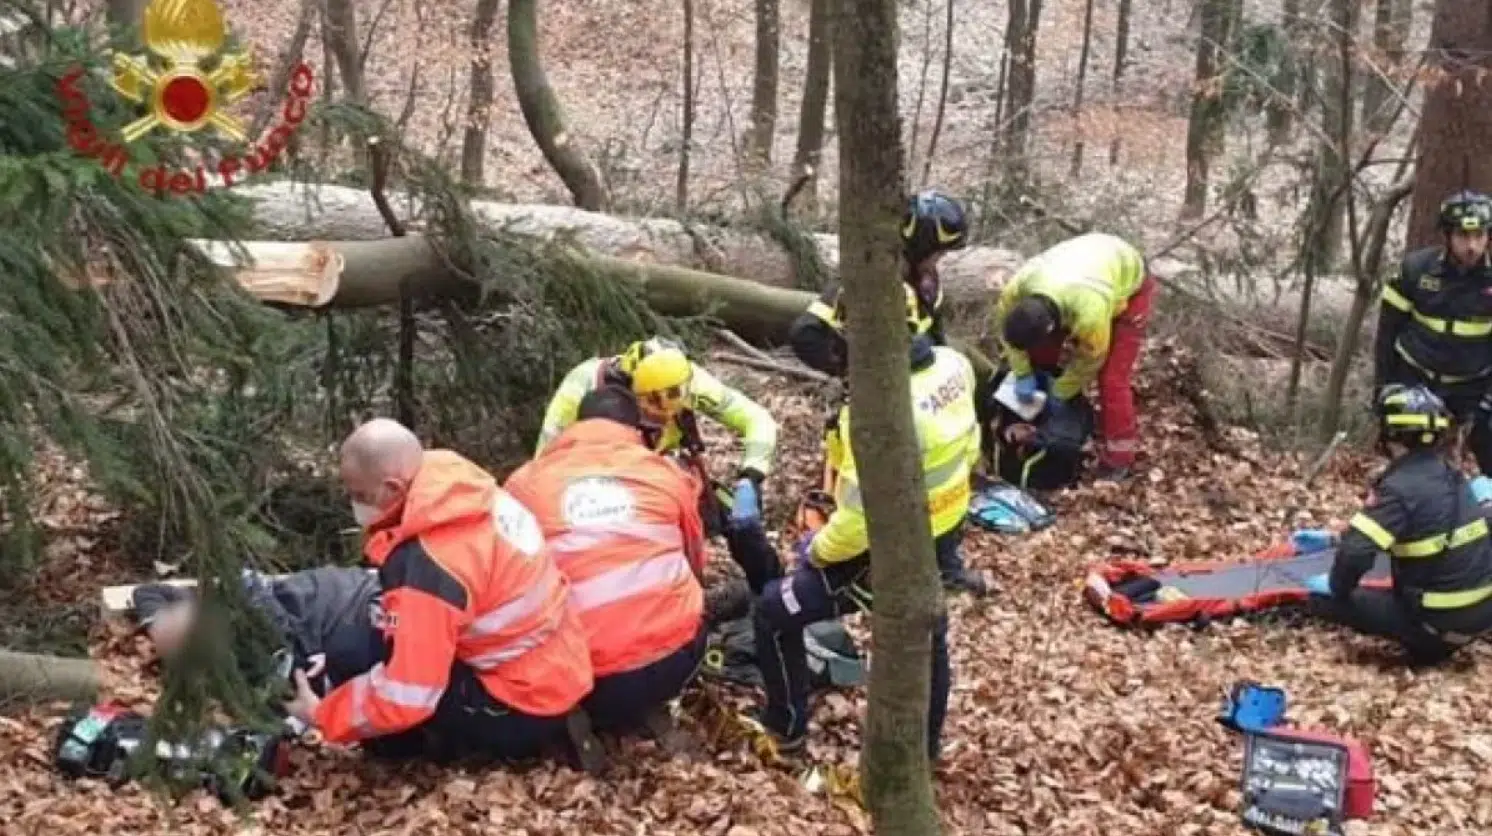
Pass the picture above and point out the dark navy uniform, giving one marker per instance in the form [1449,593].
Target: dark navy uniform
[1421,512]
[1435,329]
[817,335]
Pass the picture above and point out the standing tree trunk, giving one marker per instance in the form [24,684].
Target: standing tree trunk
[1024,18]
[1279,111]
[1076,167]
[339,30]
[479,103]
[815,99]
[764,85]
[1391,23]
[894,762]
[542,112]
[1457,115]
[937,128]
[1327,210]
[1205,127]
[1121,54]
[293,55]
[681,186]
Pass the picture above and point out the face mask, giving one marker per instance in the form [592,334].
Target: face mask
[364,514]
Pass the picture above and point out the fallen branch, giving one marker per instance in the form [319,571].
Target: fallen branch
[735,339]
[31,678]
[770,365]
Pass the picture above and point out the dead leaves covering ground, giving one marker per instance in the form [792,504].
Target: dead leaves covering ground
[1060,724]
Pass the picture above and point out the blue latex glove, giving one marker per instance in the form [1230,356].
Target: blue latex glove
[1319,585]
[1026,388]
[1481,489]
[745,508]
[1311,540]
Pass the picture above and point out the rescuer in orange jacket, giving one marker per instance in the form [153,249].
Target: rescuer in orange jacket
[624,527]
[485,656]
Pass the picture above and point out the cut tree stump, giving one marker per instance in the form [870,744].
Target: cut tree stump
[32,678]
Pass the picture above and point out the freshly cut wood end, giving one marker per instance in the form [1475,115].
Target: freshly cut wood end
[300,273]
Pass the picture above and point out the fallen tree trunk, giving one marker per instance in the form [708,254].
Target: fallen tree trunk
[28,677]
[357,274]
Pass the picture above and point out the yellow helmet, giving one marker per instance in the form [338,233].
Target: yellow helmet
[661,373]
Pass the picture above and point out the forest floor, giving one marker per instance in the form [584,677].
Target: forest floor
[1059,723]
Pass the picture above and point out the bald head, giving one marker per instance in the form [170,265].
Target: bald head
[379,461]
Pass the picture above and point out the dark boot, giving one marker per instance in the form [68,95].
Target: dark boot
[587,749]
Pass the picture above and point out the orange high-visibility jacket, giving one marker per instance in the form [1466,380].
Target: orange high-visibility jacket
[466,577]
[623,525]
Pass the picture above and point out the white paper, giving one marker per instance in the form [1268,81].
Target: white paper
[1006,395]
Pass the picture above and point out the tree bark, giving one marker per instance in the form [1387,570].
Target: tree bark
[292,56]
[681,184]
[1456,118]
[1392,20]
[1205,135]
[937,127]
[894,762]
[542,112]
[28,677]
[1024,19]
[480,93]
[815,99]
[1076,166]
[1121,54]
[1333,152]
[1279,111]
[764,84]
[339,29]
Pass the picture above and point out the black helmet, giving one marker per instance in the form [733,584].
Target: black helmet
[1412,415]
[1466,210]
[1030,322]
[933,223]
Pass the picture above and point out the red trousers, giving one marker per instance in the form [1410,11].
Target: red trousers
[1118,425]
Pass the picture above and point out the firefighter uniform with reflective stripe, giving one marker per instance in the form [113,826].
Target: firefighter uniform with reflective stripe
[1103,294]
[817,335]
[1422,513]
[483,642]
[709,396]
[1435,328]
[835,580]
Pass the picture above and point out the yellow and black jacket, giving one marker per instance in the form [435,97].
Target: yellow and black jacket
[817,335]
[1421,511]
[1435,318]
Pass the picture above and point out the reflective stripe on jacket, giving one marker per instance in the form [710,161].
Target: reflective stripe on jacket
[1090,279]
[709,396]
[948,436]
[1423,514]
[466,577]
[1437,318]
[623,525]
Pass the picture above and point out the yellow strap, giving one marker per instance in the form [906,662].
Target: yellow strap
[1432,546]
[1370,529]
[1393,298]
[824,312]
[1455,600]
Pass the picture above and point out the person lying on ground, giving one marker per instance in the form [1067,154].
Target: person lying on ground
[623,524]
[832,573]
[485,656]
[672,391]
[1435,322]
[932,225]
[325,618]
[1044,453]
[1423,513]
[1095,292]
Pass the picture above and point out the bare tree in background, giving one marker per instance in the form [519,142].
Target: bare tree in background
[292,55]
[764,83]
[815,99]
[681,183]
[1024,19]
[1392,20]
[1076,167]
[1280,109]
[339,32]
[479,101]
[908,599]
[542,112]
[1121,55]
[937,128]
[127,14]
[1205,135]
[1456,119]
[1325,210]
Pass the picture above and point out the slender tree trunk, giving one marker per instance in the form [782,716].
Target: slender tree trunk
[1392,20]
[1024,19]
[764,87]
[894,761]
[681,187]
[479,95]
[542,111]
[1456,118]
[1279,111]
[927,56]
[815,99]
[293,54]
[1205,135]
[339,29]
[1076,167]
[1121,54]
[937,128]
[1333,153]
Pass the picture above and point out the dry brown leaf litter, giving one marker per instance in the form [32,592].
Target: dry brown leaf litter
[1059,723]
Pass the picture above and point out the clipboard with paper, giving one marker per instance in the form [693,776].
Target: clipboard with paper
[1007,397]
